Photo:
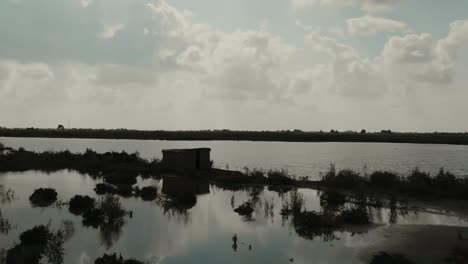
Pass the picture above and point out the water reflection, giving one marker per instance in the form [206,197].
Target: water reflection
[110,234]
[206,233]
[179,195]
[36,243]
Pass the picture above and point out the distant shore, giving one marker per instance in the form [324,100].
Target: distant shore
[385,136]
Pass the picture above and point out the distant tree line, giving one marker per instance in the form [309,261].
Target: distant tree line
[287,135]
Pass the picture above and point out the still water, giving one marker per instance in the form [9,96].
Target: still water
[301,159]
[202,234]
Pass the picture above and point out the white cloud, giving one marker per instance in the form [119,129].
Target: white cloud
[201,69]
[419,56]
[86,3]
[366,5]
[371,25]
[110,30]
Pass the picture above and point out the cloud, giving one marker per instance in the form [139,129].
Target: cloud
[366,5]
[371,25]
[86,3]
[192,69]
[420,57]
[109,31]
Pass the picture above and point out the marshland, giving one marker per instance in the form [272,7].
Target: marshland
[112,201]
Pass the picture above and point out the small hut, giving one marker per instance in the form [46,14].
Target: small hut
[187,159]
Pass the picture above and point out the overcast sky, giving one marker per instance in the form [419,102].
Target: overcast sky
[237,64]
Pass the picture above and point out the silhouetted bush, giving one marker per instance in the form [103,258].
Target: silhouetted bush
[43,197]
[445,180]
[148,193]
[279,177]
[79,205]
[34,244]
[384,179]
[116,259]
[94,218]
[344,178]
[244,209]
[385,258]
[108,211]
[417,184]
[116,167]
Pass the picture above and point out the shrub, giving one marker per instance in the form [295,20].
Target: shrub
[35,243]
[279,177]
[419,183]
[43,197]
[108,211]
[112,208]
[148,193]
[244,209]
[445,180]
[343,179]
[93,218]
[384,179]
[79,205]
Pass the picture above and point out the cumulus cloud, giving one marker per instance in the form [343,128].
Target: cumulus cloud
[371,25]
[201,69]
[366,5]
[418,55]
[110,30]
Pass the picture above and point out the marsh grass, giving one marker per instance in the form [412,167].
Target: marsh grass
[417,183]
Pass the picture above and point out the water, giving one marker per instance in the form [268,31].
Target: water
[200,235]
[301,159]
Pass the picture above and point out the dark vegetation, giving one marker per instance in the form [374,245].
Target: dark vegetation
[108,212]
[35,243]
[5,225]
[291,136]
[311,224]
[80,205]
[116,259]
[114,167]
[119,170]
[386,258]
[43,197]
[6,194]
[244,209]
[148,193]
[417,184]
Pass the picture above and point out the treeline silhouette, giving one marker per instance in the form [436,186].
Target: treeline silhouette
[284,135]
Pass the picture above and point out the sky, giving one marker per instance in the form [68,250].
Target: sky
[241,65]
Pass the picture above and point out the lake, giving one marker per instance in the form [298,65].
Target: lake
[203,233]
[301,159]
